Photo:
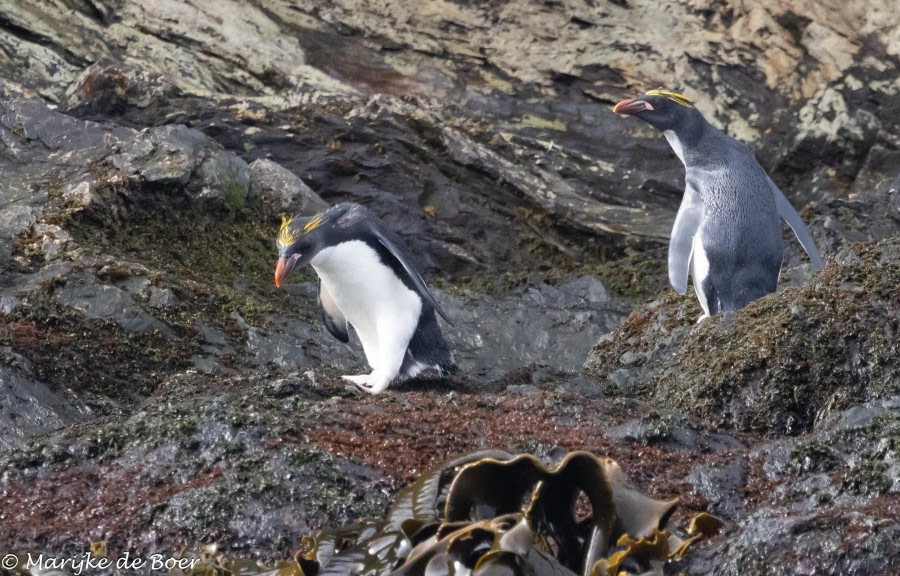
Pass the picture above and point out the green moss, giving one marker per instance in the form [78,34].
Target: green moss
[173,425]
[235,193]
[96,356]
[884,433]
[823,499]
[218,262]
[642,331]
[813,457]
[867,478]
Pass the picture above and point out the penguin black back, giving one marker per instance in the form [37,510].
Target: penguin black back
[368,279]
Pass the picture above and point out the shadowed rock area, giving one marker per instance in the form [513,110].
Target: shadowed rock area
[158,393]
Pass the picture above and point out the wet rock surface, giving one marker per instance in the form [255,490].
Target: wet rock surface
[157,387]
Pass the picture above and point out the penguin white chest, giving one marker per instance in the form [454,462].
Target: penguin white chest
[382,310]
[675,143]
[700,272]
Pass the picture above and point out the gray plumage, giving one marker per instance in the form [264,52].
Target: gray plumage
[728,229]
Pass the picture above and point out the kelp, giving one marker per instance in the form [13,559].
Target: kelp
[492,513]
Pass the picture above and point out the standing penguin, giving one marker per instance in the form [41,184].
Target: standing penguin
[728,227]
[367,279]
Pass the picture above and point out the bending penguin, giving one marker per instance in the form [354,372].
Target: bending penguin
[367,279]
[728,228]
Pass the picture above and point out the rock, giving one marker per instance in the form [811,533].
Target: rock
[556,140]
[52,239]
[29,408]
[722,485]
[817,477]
[136,286]
[13,221]
[101,301]
[79,195]
[161,298]
[164,156]
[8,304]
[781,361]
[109,88]
[223,177]
[280,187]
[623,380]
[210,449]
[649,335]
[865,216]
[292,346]
[556,327]
[211,334]
[205,364]
[522,389]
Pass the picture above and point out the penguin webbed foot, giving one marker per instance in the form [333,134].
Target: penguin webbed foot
[369,383]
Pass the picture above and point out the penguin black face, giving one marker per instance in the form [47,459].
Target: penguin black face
[299,240]
[662,109]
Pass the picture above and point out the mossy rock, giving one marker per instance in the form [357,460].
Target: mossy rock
[792,357]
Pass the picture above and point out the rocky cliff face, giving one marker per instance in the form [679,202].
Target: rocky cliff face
[810,87]
[147,149]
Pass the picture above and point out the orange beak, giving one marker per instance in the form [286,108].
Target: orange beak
[284,268]
[629,107]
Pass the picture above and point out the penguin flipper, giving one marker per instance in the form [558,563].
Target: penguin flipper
[687,222]
[419,283]
[332,316]
[787,212]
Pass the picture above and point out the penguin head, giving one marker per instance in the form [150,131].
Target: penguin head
[300,239]
[662,109]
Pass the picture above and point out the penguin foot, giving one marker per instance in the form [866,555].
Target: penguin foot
[702,318]
[368,382]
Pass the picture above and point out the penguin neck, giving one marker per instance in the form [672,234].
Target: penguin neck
[686,140]
[675,143]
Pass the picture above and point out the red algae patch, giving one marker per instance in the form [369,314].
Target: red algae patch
[86,502]
[404,435]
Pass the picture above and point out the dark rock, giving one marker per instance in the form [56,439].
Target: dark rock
[164,156]
[548,325]
[819,500]
[211,334]
[723,485]
[291,345]
[29,408]
[8,304]
[206,364]
[522,389]
[109,88]
[99,301]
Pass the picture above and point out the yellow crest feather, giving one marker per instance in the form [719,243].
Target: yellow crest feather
[674,97]
[288,235]
[313,224]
